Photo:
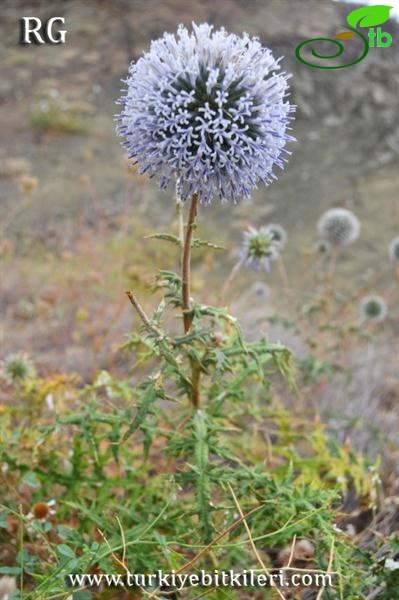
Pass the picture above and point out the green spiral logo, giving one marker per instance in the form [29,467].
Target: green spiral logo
[340,51]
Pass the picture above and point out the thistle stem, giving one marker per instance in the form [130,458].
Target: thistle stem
[231,277]
[186,263]
[180,220]
[186,287]
[333,265]
[140,311]
[195,384]
[283,275]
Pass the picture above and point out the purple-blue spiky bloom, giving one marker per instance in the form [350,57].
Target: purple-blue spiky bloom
[258,249]
[207,109]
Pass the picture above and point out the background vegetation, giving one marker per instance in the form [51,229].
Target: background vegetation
[308,438]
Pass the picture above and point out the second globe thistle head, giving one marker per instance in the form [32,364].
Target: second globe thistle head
[278,233]
[16,368]
[339,227]
[258,248]
[393,249]
[373,308]
[208,108]
[322,247]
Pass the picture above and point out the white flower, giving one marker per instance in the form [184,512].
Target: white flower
[42,510]
[391,565]
[49,399]
[339,227]
[104,379]
[8,586]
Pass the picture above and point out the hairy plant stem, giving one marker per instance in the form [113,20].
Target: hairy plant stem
[186,263]
[180,222]
[186,288]
[140,311]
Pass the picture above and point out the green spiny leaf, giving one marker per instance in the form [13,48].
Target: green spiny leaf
[166,237]
[150,392]
[203,492]
[203,243]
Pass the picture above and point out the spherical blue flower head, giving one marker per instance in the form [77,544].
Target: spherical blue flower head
[339,227]
[17,367]
[208,109]
[258,249]
[373,308]
[278,234]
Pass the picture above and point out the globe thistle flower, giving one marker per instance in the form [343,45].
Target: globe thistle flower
[258,249]
[373,308]
[393,249]
[17,367]
[322,247]
[260,290]
[339,227]
[278,234]
[209,109]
